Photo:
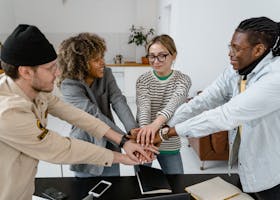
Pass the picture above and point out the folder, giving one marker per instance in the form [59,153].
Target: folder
[152,180]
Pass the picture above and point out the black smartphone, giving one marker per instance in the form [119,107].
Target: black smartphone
[54,194]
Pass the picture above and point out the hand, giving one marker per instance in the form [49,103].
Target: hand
[146,134]
[124,159]
[138,153]
[151,155]
[134,131]
[157,140]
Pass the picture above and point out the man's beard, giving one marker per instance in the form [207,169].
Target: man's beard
[37,89]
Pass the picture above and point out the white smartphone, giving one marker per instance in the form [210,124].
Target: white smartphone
[100,188]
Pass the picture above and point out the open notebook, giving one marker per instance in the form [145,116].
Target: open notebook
[216,189]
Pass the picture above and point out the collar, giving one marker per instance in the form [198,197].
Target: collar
[259,65]
[163,78]
[15,88]
[247,70]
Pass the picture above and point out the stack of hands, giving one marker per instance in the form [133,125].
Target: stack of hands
[142,146]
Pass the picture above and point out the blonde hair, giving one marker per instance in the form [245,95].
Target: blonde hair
[166,41]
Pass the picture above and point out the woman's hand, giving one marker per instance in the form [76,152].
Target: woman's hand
[146,134]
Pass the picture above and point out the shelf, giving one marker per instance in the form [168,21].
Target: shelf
[128,65]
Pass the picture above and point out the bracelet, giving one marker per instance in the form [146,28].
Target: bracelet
[123,141]
[160,135]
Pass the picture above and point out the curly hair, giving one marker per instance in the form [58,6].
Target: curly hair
[75,52]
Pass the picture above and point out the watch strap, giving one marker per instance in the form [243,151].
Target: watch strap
[123,141]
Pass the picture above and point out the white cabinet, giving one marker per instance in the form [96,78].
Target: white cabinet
[126,77]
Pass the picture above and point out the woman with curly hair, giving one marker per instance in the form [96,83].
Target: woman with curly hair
[86,83]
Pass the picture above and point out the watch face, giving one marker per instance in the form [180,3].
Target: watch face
[165,133]
[165,130]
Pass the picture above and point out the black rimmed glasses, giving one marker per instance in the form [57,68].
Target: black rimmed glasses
[160,57]
[235,49]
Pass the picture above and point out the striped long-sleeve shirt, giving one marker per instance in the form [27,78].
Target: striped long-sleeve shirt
[161,97]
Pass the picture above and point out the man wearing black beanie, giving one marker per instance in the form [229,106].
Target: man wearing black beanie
[29,63]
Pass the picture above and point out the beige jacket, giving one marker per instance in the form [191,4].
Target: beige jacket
[24,139]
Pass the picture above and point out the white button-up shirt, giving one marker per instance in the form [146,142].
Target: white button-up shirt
[221,107]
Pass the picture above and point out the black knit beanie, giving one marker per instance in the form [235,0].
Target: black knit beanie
[27,46]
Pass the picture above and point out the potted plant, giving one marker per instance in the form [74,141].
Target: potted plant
[139,36]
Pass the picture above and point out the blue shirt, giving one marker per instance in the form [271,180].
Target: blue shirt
[221,107]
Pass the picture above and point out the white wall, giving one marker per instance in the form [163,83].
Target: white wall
[109,18]
[7,18]
[202,30]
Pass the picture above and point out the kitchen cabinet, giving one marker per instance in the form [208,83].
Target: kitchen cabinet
[126,76]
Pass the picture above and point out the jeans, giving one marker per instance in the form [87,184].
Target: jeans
[114,170]
[169,163]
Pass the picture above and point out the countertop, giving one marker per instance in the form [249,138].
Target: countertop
[132,64]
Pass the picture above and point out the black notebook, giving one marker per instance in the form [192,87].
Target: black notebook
[152,180]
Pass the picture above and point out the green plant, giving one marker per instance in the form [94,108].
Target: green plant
[139,35]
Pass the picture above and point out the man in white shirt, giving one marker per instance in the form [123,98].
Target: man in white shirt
[254,54]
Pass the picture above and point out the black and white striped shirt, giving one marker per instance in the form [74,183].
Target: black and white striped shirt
[161,97]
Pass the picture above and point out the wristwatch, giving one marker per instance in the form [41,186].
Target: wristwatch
[163,133]
[123,141]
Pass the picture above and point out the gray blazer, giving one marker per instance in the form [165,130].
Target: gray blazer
[97,100]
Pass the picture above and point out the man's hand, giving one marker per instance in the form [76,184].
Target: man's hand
[123,158]
[157,140]
[138,153]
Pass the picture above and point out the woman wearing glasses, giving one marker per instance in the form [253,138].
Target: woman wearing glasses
[158,93]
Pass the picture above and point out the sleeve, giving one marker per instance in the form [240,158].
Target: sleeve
[257,101]
[179,96]
[143,101]
[119,103]
[212,96]
[76,117]
[26,136]
[76,94]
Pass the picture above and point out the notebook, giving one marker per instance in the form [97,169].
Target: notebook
[181,196]
[152,180]
[216,189]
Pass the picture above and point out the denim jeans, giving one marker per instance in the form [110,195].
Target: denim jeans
[169,163]
[114,170]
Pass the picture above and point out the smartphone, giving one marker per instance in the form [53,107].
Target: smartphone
[100,188]
[54,194]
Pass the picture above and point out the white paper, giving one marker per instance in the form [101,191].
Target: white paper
[38,198]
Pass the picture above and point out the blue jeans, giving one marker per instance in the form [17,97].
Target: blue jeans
[169,163]
[114,170]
